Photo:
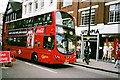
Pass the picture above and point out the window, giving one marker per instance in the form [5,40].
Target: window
[64,19]
[27,23]
[11,26]
[45,19]
[36,4]
[51,1]
[114,14]
[13,16]
[25,0]
[48,42]
[16,41]
[38,21]
[25,9]
[67,3]
[42,4]
[19,24]
[85,17]
[30,7]
[30,22]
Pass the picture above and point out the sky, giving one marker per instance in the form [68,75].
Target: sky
[3,4]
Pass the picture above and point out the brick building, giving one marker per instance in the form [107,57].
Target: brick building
[104,22]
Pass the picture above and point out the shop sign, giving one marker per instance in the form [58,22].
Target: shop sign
[91,31]
[4,56]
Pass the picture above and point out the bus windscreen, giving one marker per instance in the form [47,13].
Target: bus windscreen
[65,33]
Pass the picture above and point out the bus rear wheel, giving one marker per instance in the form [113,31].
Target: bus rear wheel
[34,58]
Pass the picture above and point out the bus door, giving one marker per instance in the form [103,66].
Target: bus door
[38,43]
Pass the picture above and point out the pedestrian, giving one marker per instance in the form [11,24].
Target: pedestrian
[105,50]
[110,49]
[89,52]
[117,57]
[86,54]
[78,51]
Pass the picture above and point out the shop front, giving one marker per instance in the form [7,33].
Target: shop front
[99,35]
[93,42]
[111,39]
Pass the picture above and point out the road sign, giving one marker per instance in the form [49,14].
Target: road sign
[5,56]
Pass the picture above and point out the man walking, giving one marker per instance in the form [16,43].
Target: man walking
[86,54]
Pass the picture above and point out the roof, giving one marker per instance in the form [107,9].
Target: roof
[14,5]
[15,1]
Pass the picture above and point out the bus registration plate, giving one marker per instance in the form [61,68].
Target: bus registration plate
[66,62]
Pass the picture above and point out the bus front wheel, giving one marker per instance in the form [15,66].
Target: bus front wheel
[34,58]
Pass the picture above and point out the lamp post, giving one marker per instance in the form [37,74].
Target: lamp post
[88,34]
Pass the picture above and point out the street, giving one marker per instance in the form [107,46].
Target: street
[25,69]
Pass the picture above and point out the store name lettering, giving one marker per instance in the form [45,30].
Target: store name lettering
[91,31]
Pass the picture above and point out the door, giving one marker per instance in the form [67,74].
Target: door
[93,46]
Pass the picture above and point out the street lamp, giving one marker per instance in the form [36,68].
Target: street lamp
[88,34]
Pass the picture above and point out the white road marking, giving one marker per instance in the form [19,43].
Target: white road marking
[41,67]
[28,63]
[5,67]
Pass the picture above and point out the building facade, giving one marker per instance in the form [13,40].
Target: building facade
[37,7]
[104,23]
[13,11]
[1,22]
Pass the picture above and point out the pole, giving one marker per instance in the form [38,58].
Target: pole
[88,34]
[89,18]
[97,52]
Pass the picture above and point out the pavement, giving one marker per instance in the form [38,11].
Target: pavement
[99,65]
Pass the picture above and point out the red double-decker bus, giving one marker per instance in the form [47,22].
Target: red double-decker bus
[47,38]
